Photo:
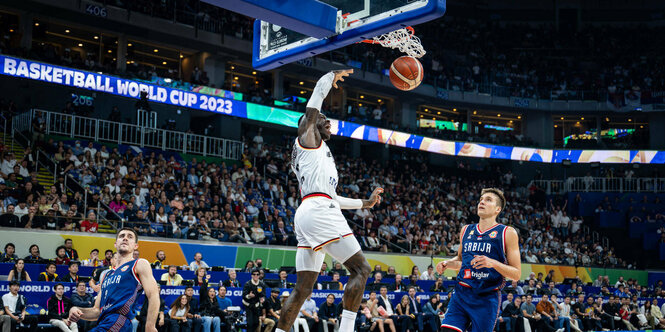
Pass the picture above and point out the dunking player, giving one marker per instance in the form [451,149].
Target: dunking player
[488,252]
[114,306]
[320,226]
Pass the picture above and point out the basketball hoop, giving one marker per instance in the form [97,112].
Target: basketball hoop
[403,39]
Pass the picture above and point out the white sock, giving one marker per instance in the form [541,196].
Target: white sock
[280,330]
[348,321]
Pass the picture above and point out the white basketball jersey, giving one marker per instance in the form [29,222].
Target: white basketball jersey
[315,169]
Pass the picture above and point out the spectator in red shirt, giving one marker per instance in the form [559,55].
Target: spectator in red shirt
[90,224]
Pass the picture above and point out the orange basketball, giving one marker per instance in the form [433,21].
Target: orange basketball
[406,73]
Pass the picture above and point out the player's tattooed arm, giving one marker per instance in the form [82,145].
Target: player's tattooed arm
[374,199]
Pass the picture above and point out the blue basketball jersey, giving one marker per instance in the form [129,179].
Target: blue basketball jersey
[120,289]
[490,243]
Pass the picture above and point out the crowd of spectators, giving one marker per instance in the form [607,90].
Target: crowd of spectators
[523,60]
[532,61]
[537,301]
[255,201]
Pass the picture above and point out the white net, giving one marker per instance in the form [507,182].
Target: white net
[403,40]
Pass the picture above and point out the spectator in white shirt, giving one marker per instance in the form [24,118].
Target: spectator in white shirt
[575,225]
[8,163]
[429,274]
[258,139]
[565,222]
[531,258]
[90,148]
[21,209]
[252,208]
[197,262]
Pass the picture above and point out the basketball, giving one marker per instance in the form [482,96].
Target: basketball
[406,73]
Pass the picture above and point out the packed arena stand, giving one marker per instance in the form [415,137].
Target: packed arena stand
[159,194]
[214,294]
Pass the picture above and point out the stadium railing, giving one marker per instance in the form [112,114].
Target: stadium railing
[598,184]
[123,133]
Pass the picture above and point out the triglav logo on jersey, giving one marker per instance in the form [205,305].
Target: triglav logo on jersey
[124,268]
[493,234]
[468,274]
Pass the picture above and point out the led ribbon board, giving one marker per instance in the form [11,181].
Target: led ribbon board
[20,68]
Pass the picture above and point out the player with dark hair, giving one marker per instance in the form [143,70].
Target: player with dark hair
[488,253]
[320,226]
[120,287]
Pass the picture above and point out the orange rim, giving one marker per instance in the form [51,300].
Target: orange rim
[372,41]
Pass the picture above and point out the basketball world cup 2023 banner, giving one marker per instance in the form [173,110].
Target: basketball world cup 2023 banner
[213,102]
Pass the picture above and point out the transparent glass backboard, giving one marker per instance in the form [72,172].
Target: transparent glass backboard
[356,20]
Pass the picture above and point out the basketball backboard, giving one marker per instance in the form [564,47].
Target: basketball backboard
[356,20]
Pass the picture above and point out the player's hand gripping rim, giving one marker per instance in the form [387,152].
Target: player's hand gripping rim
[339,76]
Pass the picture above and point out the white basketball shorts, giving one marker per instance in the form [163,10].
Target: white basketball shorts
[321,228]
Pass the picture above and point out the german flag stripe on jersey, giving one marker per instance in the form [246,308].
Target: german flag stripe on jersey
[316,195]
[317,248]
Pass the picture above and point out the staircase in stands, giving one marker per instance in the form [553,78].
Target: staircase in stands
[45,177]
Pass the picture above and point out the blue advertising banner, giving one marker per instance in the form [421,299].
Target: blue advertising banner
[119,86]
[37,293]
[21,68]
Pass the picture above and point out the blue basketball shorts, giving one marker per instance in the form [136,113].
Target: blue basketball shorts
[468,311]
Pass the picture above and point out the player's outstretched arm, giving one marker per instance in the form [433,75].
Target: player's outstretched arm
[456,262]
[307,131]
[346,203]
[512,270]
[149,284]
[91,314]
